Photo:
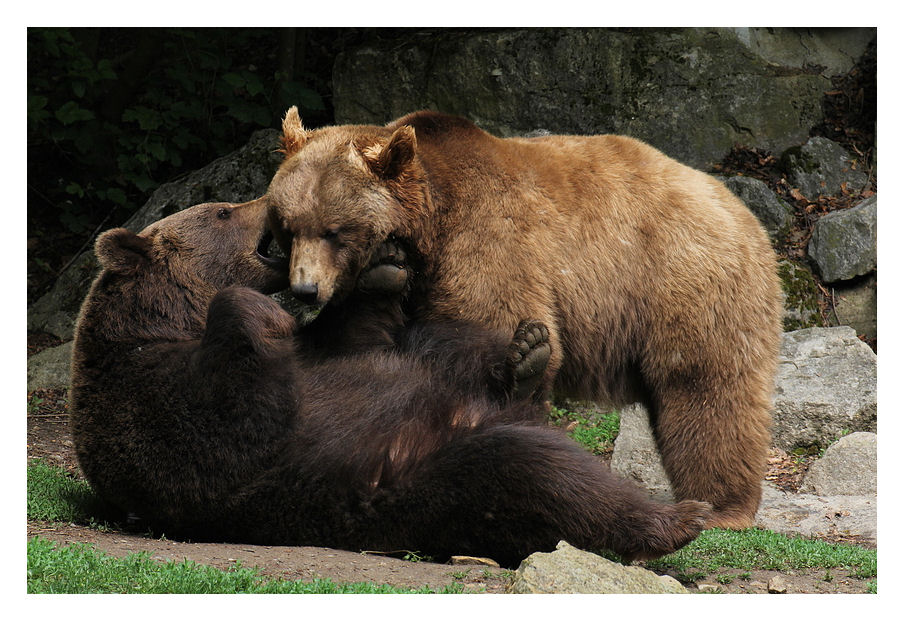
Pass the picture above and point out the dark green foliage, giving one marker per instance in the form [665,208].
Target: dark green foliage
[112,113]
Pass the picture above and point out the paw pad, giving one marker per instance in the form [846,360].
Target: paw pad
[527,358]
[386,272]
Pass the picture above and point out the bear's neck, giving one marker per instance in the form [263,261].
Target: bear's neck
[141,311]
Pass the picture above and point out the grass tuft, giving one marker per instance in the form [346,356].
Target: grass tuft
[55,496]
[596,432]
[755,548]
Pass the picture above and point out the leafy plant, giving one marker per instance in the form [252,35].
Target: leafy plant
[416,557]
[34,403]
[724,579]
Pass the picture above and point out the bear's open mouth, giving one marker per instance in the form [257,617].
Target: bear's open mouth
[280,263]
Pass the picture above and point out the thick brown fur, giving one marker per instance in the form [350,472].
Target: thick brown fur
[200,406]
[656,283]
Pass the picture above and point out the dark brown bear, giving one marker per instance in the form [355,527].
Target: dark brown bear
[656,283]
[195,406]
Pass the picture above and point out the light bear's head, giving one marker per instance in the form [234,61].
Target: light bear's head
[339,193]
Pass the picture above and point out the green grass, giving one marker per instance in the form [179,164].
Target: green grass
[595,431]
[762,549]
[54,496]
[80,568]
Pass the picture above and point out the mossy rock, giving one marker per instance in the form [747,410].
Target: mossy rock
[802,297]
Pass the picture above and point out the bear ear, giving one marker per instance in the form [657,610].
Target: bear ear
[294,134]
[121,250]
[391,160]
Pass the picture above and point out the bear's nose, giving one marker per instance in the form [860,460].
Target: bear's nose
[305,292]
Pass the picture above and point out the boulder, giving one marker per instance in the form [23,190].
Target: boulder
[801,296]
[821,167]
[848,468]
[855,306]
[825,387]
[240,176]
[569,570]
[808,515]
[635,455]
[843,244]
[692,92]
[773,213]
[50,368]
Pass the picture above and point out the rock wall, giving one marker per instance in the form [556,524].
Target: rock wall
[691,92]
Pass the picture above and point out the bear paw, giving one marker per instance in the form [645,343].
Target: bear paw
[239,314]
[386,272]
[528,355]
[666,529]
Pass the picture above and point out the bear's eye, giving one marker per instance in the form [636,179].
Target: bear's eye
[223,213]
[331,233]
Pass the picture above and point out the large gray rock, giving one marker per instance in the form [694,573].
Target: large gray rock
[855,306]
[828,50]
[692,92]
[823,167]
[240,176]
[825,387]
[635,455]
[569,570]
[809,515]
[843,244]
[773,213]
[848,468]
[50,368]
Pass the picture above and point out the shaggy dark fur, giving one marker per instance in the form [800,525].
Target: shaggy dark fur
[195,406]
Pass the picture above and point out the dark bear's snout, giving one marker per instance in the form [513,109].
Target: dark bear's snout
[305,292]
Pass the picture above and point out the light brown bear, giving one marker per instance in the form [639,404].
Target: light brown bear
[657,284]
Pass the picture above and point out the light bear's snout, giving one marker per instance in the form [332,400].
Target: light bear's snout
[311,271]
[305,292]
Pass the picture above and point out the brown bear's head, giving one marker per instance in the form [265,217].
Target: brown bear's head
[201,249]
[338,194]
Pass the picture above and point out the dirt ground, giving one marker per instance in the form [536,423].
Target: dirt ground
[48,439]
